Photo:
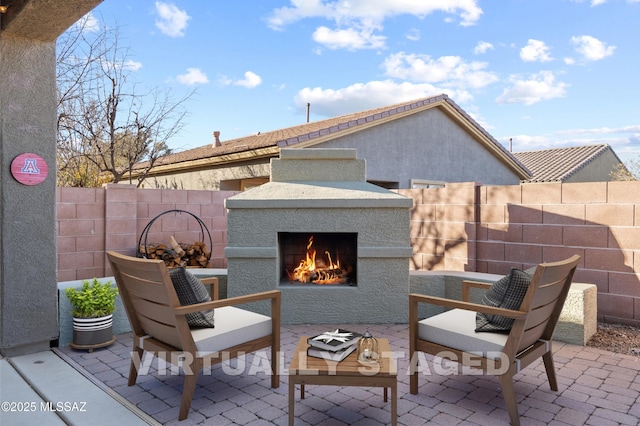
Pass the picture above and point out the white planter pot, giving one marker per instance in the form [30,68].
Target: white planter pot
[92,324]
[91,333]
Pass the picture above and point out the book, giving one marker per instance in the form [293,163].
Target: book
[331,355]
[335,340]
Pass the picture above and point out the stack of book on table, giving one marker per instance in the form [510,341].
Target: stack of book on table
[333,345]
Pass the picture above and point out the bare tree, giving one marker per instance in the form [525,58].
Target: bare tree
[106,124]
[628,171]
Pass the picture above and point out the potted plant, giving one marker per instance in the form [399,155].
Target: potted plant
[93,306]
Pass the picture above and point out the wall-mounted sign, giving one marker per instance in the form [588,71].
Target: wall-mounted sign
[29,169]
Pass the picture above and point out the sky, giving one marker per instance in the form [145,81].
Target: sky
[536,74]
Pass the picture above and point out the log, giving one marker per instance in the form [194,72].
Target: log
[176,247]
[176,254]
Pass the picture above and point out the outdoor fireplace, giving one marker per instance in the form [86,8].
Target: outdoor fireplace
[319,209]
[323,258]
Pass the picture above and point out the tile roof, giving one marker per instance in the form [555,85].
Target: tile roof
[558,164]
[307,132]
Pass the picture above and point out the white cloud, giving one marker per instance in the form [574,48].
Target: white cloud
[604,130]
[356,20]
[193,76]
[522,143]
[482,47]
[349,38]
[413,34]
[372,10]
[449,71]
[625,140]
[171,20]
[225,81]
[591,48]
[597,2]
[128,65]
[535,51]
[249,81]
[88,23]
[132,65]
[539,87]
[362,96]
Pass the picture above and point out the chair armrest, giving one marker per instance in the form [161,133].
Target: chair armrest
[214,286]
[467,285]
[274,295]
[414,299]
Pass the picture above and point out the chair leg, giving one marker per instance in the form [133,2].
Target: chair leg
[547,358]
[275,367]
[509,395]
[413,356]
[413,372]
[136,361]
[188,389]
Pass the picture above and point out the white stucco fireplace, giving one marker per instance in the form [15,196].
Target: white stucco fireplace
[347,239]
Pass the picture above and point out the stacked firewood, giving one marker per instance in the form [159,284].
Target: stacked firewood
[178,254]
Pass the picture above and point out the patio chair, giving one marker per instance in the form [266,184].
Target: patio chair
[160,326]
[503,353]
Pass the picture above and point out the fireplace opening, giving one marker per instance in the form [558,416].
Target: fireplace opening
[319,258]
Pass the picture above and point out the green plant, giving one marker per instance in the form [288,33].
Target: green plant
[93,300]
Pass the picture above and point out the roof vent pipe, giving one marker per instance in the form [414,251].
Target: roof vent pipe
[308,109]
[216,136]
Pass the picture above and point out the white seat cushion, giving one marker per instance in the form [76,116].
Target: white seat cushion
[233,327]
[456,329]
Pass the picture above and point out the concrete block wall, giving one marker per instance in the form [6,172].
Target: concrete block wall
[522,225]
[599,221]
[91,221]
[464,227]
[443,227]
[80,233]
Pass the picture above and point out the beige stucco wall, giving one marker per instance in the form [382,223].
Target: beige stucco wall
[322,191]
[28,287]
[428,145]
[598,170]
[28,306]
[219,178]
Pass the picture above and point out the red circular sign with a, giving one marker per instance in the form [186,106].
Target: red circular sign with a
[29,169]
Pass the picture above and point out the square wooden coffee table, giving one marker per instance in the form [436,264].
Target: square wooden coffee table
[306,370]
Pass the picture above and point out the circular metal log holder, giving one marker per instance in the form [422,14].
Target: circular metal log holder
[145,232]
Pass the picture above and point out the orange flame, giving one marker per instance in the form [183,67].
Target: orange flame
[318,272]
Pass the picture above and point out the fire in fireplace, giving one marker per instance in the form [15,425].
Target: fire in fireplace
[318,258]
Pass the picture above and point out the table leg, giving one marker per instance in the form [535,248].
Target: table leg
[292,389]
[385,395]
[394,403]
[302,391]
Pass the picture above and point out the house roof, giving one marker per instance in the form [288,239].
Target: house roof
[558,164]
[268,144]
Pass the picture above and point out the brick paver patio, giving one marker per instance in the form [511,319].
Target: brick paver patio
[596,388]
